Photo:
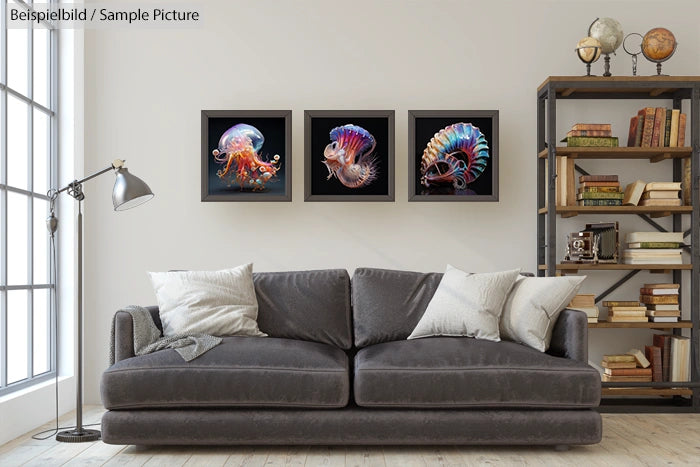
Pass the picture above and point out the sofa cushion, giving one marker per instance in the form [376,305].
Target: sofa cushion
[459,372]
[307,305]
[388,304]
[240,372]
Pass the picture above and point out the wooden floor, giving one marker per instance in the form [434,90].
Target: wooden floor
[646,439]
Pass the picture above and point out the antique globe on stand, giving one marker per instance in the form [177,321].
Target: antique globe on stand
[588,51]
[609,33]
[658,45]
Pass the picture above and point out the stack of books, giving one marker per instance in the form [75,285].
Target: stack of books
[599,190]
[632,366]
[661,194]
[591,135]
[626,312]
[657,127]
[661,301]
[585,303]
[653,248]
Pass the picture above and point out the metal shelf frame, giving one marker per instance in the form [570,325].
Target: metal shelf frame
[677,89]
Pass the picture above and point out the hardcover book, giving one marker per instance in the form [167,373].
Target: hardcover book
[600,195]
[675,117]
[597,178]
[592,141]
[605,133]
[680,358]
[665,313]
[639,356]
[592,126]
[610,303]
[681,130]
[660,194]
[653,354]
[600,202]
[628,371]
[632,135]
[660,202]
[666,285]
[663,341]
[663,319]
[609,184]
[659,299]
[674,186]
[653,245]
[622,379]
[633,237]
[619,358]
[645,291]
[649,113]
[633,193]
[627,319]
[659,125]
[667,130]
[599,189]
[654,260]
[632,364]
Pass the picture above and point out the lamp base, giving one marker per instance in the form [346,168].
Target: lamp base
[78,436]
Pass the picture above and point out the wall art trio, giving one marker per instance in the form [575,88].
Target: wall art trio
[349,155]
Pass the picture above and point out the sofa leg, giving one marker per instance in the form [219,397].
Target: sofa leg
[561,447]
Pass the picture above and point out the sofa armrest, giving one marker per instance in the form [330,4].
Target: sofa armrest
[570,336]
[124,333]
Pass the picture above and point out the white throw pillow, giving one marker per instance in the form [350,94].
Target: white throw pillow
[533,306]
[220,303]
[466,304]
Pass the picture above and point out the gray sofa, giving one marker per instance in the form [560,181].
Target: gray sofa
[337,369]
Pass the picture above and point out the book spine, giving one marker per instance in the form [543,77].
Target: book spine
[659,299]
[589,133]
[654,245]
[592,126]
[598,178]
[644,291]
[681,130]
[600,195]
[648,126]
[659,120]
[673,141]
[592,141]
[589,184]
[599,189]
[632,135]
[600,202]
[610,303]
[686,182]
[640,130]
[667,129]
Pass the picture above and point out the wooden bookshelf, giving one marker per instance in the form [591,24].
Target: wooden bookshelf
[653,211]
[573,267]
[631,391]
[652,154]
[648,325]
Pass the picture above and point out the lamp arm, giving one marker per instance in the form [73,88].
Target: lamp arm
[117,164]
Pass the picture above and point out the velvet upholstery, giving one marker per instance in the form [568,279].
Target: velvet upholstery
[352,426]
[570,336]
[240,372]
[456,372]
[388,304]
[306,305]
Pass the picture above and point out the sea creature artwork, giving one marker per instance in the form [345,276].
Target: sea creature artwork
[239,148]
[350,156]
[456,155]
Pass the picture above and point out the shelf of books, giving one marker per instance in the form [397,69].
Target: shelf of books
[662,373]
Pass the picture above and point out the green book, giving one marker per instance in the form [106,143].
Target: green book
[654,245]
[600,195]
[592,141]
[600,189]
[600,202]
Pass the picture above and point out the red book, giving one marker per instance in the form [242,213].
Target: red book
[681,130]
[648,126]
[632,136]
[659,127]
[592,126]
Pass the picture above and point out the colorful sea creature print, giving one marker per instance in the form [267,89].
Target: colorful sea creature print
[455,155]
[350,156]
[239,148]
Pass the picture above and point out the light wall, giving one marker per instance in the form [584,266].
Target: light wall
[144,90]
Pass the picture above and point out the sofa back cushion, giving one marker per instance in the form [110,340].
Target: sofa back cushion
[388,304]
[307,305]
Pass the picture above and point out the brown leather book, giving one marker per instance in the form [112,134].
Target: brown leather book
[681,130]
[659,126]
[592,126]
[653,354]
[618,364]
[628,371]
[665,299]
[663,341]
[648,130]
[632,135]
[597,178]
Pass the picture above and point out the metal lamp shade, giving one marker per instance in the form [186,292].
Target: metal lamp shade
[129,191]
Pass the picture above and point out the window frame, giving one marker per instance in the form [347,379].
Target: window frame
[51,159]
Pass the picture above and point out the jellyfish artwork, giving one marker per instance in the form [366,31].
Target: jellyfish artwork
[350,156]
[456,155]
[239,148]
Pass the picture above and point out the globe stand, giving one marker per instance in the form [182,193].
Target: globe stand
[607,66]
[591,57]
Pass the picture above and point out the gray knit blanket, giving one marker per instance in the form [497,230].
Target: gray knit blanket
[147,337]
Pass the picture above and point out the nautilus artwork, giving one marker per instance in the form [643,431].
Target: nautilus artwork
[456,155]
[350,156]
[240,150]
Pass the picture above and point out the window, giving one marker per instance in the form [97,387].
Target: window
[27,171]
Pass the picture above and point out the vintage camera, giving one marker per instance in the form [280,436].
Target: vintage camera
[597,243]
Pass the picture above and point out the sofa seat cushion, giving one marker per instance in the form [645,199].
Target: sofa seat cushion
[460,372]
[240,372]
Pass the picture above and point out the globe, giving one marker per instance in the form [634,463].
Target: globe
[658,44]
[609,32]
[588,49]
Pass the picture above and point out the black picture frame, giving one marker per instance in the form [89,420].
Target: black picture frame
[276,128]
[323,184]
[423,125]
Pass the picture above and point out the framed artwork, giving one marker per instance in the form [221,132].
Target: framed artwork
[453,155]
[349,155]
[246,155]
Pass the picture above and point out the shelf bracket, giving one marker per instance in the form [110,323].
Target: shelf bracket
[660,157]
[617,284]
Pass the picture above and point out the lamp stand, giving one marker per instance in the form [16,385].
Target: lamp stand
[79,434]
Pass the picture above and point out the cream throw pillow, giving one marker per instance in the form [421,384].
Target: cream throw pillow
[533,306]
[466,305]
[220,303]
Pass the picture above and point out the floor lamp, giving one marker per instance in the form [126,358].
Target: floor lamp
[129,191]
